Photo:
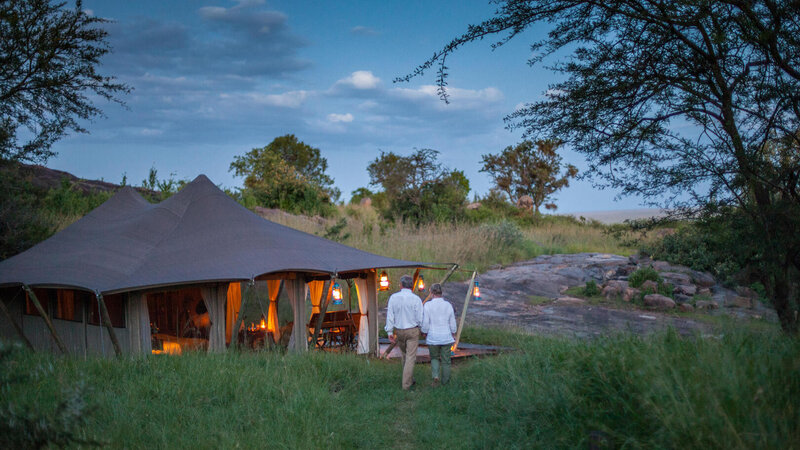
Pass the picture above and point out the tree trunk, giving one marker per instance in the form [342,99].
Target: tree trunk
[785,301]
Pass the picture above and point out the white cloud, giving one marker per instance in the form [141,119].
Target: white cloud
[459,98]
[360,79]
[290,99]
[151,132]
[346,118]
[364,31]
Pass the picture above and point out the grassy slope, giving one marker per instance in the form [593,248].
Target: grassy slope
[738,391]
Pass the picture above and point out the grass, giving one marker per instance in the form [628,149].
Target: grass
[472,246]
[661,391]
[534,300]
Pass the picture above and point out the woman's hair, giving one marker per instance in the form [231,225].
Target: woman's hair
[436,289]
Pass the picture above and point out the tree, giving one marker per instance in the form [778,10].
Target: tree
[48,60]
[418,188]
[683,102]
[287,174]
[529,169]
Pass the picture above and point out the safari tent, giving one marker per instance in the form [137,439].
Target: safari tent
[130,273]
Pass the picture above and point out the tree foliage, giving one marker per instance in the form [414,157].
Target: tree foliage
[287,174]
[529,169]
[691,104]
[418,188]
[48,75]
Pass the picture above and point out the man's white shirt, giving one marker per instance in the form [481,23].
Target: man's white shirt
[403,311]
[439,322]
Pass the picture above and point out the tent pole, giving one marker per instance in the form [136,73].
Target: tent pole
[449,272]
[446,277]
[464,311]
[372,312]
[414,280]
[107,322]
[323,300]
[46,318]
[7,313]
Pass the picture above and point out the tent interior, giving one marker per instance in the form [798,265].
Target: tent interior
[178,319]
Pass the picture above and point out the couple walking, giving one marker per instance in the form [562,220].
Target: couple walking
[405,316]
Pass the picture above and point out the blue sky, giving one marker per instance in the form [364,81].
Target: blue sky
[214,79]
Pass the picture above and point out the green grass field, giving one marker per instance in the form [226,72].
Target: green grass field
[739,390]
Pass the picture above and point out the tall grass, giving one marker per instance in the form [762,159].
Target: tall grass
[472,245]
[735,391]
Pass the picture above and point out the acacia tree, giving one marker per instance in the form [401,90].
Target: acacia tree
[287,174]
[683,102]
[417,187]
[48,60]
[529,169]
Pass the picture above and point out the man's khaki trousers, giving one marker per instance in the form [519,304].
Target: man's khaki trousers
[408,340]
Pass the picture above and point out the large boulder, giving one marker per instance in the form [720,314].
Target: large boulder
[649,286]
[703,279]
[680,298]
[366,201]
[474,205]
[686,307]
[624,271]
[737,301]
[745,291]
[658,301]
[629,293]
[612,291]
[686,289]
[706,304]
[663,266]
[525,202]
[676,278]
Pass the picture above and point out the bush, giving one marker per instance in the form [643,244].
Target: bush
[57,423]
[640,276]
[503,234]
[591,289]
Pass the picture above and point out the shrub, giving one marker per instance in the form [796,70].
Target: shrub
[59,423]
[640,276]
[591,289]
[503,234]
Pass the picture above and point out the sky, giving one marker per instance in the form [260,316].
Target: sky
[214,79]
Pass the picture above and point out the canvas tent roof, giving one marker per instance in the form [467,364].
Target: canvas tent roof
[198,235]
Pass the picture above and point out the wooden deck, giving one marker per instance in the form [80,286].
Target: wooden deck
[464,350]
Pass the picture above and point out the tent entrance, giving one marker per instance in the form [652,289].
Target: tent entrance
[179,321]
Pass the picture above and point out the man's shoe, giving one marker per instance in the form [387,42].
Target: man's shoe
[435,383]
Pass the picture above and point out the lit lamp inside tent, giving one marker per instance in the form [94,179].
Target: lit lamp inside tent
[383,281]
[421,283]
[263,324]
[336,294]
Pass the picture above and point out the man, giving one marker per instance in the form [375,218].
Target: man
[439,322]
[403,319]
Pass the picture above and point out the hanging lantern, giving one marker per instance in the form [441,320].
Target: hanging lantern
[263,324]
[336,294]
[383,282]
[421,283]
[476,291]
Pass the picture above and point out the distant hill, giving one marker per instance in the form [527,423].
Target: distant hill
[620,215]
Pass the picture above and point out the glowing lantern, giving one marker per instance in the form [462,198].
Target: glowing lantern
[421,284]
[336,294]
[476,291]
[383,282]
[263,324]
